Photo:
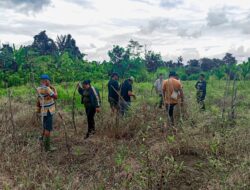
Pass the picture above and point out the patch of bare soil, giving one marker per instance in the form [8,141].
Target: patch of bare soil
[194,173]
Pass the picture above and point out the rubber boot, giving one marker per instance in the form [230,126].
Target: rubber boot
[47,144]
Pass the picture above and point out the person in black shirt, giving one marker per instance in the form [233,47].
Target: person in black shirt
[91,101]
[126,93]
[201,87]
[113,92]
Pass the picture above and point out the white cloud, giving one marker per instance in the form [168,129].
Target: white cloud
[170,3]
[25,6]
[190,28]
[215,18]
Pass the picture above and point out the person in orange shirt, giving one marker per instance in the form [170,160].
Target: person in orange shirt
[173,94]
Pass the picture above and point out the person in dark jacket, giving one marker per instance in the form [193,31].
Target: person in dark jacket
[91,101]
[201,87]
[113,92]
[126,94]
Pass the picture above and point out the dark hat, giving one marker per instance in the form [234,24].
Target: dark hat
[114,74]
[44,77]
[172,74]
[202,75]
[86,82]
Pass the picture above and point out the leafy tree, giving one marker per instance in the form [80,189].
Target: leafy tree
[220,73]
[193,67]
[118,54]
[66,65]
[7,61]
[218,62]
[67,44]
[20,56]
[153,61]
[207,64]
[119,57]
[169,64]
[229,59]
[44,45]
[193,63]
[245,69]
[180,61]
[134,48]
[230,63]
[126,63]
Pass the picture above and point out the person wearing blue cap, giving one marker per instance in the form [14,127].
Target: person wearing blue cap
[47,95]
[91,101]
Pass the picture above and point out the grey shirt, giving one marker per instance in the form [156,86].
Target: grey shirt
[158,86]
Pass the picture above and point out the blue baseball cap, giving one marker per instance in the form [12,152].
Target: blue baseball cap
[45,77]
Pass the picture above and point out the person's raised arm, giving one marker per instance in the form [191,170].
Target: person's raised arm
[196,85]
[55,92]
[55,96]
[52,92]
[79,88]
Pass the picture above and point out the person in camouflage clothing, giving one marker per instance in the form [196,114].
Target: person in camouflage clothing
[201,87]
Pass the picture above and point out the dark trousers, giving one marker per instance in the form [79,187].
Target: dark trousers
[90,112]
[201,103]
[200,100]
[170,111]
[124,107]
[160,100]
[47,122]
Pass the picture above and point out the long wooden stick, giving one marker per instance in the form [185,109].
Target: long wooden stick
[73,109]
[65,133]
[119,94]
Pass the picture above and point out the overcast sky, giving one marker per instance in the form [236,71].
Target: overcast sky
[191,28]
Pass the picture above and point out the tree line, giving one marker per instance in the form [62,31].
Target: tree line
[64,61]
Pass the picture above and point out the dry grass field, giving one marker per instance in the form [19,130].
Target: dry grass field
[137,152]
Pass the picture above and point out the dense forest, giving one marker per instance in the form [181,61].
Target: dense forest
[64,61]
